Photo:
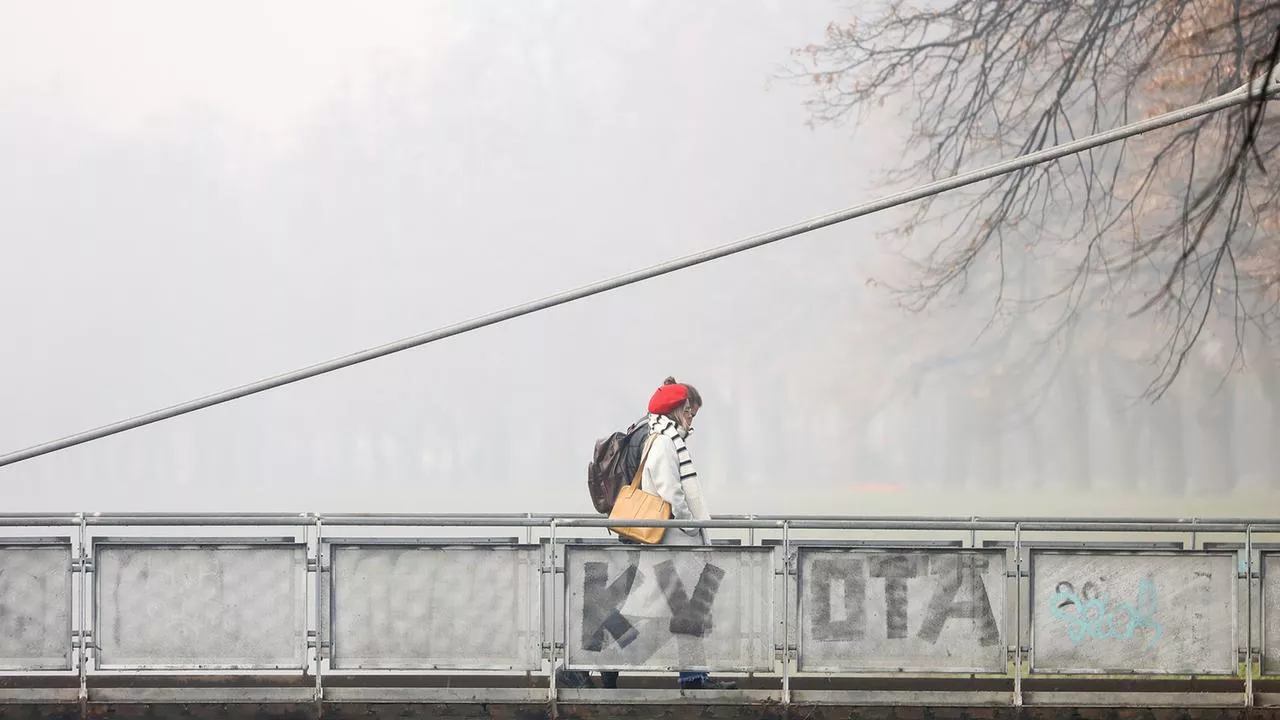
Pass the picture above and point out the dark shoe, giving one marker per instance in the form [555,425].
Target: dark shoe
[709,684]
[573,679]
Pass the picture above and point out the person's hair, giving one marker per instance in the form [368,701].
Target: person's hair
[694,397]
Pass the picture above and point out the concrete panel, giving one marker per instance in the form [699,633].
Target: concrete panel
[423,607]
[662,608]
[926,610]
[35,607]
[1117,612]
[1270,602]
[200,605]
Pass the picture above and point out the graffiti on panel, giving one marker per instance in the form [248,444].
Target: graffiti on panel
[1092,614]
[690,614]
[1159,612]
[661,609]
[839,596]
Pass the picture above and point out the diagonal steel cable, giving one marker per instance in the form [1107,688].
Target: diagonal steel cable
[1262,89]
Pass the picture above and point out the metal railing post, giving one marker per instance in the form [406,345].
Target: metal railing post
[1017,615]
[319,615]
[552,691]
[786,612]
[82,635]
[1248,608]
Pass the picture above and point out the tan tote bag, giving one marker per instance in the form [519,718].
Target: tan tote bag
[636,504]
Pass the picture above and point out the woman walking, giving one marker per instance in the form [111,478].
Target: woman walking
[669,472]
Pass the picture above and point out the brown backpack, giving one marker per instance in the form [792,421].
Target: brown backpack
[614,464]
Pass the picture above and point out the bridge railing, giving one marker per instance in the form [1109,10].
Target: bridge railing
[315,601]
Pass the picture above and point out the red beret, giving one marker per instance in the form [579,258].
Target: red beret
[668,398]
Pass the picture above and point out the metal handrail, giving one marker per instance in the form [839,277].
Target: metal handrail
[812,522]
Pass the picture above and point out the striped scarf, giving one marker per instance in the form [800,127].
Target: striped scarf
[666,426]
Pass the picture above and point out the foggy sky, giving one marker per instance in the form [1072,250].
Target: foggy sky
[194,196]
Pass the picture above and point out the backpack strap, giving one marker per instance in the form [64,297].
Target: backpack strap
[648,443]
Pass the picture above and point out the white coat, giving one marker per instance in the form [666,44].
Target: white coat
[662,477]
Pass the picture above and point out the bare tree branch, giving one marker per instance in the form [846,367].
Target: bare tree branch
[1179,224]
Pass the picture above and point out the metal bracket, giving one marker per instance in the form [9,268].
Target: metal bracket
[312,642]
